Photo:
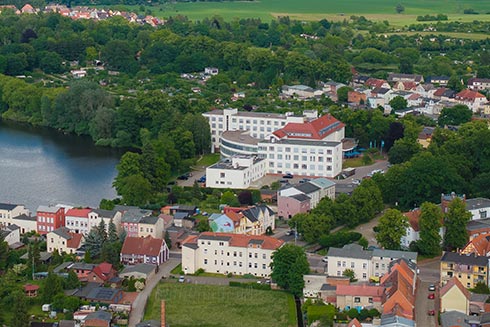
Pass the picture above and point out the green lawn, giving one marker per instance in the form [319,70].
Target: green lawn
[208,159]
[331,9]
[215,306]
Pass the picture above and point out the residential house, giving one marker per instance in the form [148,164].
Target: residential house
[356,97]
[230,222]
[395,320]
[26,223]
[138,271]
[399,285]
[354,323]
[10,234]
[301,91]
[77,220]
[425,136]
[229,253]
[303,197]
[360,297]
[144,250]
[150,226]
[473,99]
[479,208]
[458,319]
[438,80]
[31,290]
[374,83]
[9,211]
[405,86]
[393,78]
[258,219]
[63,240]
[183,219]
[478,227]
[382,259]
[351,256]
[49,218]
[479,245]
[454,297]
[479,84]
[98,319]
[469,269]
[168,220]
[27,9]
[102,273]
[108,216]
[130,220]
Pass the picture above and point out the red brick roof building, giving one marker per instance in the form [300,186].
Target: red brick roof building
[144,250]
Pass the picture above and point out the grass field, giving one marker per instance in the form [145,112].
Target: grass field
[378,10]
[215,306]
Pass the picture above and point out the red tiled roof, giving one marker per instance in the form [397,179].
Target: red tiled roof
[479,245]
[375,83]
[440,91]
[166,218]
[79,212]
[360,290]
[455,282]
[30,287]
[238,240]
[413,218]
[105,267]
[75,241]
[317,129]
[137,245]
[468,95]
[414,96]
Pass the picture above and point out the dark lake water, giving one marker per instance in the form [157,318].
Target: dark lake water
[43,166]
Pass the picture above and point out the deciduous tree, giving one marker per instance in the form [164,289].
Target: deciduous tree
[392,227]
[455,221]
[289,264]
[429,225]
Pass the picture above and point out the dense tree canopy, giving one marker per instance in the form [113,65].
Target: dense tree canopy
[391,228]
[289,264]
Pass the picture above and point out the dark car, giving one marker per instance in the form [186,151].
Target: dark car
[284,181]
[183,177]
[287,175]
[202,179]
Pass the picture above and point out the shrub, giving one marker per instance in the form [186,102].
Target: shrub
[339,239]
[199,272]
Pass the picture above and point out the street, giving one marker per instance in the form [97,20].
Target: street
[428,274]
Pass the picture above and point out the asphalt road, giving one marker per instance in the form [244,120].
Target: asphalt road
[428,274]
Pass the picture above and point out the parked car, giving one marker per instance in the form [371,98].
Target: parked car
[181,279]
[304,180]
[183,177]
[290,232]
[431,312]
[356,182]
[325,259]
[284,181]
[202,179]
[287,175]
[432,288]
[431,296]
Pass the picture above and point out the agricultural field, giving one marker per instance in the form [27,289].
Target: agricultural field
[378,10]
[211,305]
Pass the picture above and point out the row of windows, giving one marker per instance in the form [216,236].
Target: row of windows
[47,220]
[296,157]
[228,263]
[46,228]
[295,150]
[75,223]
[352,264]
[297,166]
[364,275]
[236,253]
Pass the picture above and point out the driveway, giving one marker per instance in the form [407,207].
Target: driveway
[138,306]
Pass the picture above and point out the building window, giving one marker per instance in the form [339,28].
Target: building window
[370,300]
[357,300]
[264,256]
[364,266]
[264,266]
[205,261]
[338,264]
[352,264]
[364,276]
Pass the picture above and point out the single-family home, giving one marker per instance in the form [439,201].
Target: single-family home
[479,84]
[63,240]
[26,223]
[454,297]
[144,250]
[360,297]
[399,285]
[393,78]
[438,80]
[473,99]
[351,256]
[479,208]
[225,253]
[142,270]
[108,216]
[10,234]
[374,83]
[98,319]
[102,273]
[150,226]
[479,245]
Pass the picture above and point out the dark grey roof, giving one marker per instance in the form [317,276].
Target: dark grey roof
[149,220]
[411,256]
[67,323]
[105,213]
[479,297]
[25,217]
[103,293]
[181,215]
[62,266]
[185,208]
[134,215]
[63,232]
[102,315]
[454,318]
[255,241]
[478,223]
[328,287]
[477,203]
[41,324]
[394,320]
[149,323]
[350,251]
[485,318]
[7,206]
[193,246]
[307,187]
[82,266]
[214,237]
[300,197]
[470,260]
[381,90]
[141,268]
[253,213]
[84,291]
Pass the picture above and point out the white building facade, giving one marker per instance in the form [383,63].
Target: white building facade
[9,211]
[237,172]
[225,253]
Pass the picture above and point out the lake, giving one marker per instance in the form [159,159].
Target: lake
[44,166]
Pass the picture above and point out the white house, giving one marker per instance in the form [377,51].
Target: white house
[11,234]
[96,215]
[479,208]
[77,220]
[225,253]
[8,211]
[237,172]
[63,241]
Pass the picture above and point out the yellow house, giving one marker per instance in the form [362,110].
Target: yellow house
[455,297]
[469,269]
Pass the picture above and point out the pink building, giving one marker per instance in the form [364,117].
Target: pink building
[288,206]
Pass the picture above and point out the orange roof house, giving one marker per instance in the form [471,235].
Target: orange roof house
[400,291]
[455,297]
[479,245]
